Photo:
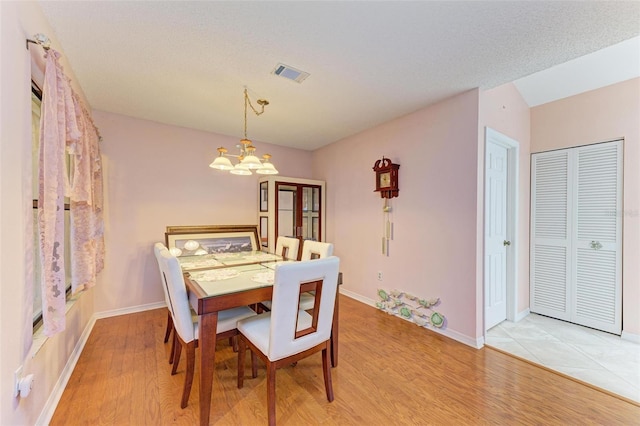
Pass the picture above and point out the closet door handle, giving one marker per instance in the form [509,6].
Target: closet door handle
[596,245]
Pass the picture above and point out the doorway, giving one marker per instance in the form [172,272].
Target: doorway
[500,227]
[298,206]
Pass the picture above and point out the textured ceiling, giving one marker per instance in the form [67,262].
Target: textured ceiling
[186,63]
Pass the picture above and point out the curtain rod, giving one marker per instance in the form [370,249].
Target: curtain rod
[40,39]
[43,40]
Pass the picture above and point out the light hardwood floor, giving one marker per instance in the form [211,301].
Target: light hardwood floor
[390,372]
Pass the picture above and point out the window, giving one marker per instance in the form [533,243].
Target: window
[36,99]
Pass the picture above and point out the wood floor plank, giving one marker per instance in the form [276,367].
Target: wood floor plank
[121,372]
[390,372]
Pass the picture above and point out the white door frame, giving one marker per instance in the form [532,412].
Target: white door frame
[513,174]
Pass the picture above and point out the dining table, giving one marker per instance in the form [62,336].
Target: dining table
[219,281]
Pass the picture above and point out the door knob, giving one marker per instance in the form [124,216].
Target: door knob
[506,243]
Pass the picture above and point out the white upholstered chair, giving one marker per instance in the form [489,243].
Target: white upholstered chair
[287,334]
[156,251]
[316,250]
[313,250]
[310,250]
[287,247]
[185,329]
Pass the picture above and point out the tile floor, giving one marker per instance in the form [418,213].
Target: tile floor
[601,359]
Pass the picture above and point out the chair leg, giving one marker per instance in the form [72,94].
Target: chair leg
[326,370]
[173,349]
[254,365]
[188,379]
[169,326]
[271,393]
[176,353]
[262,308]
[242,350]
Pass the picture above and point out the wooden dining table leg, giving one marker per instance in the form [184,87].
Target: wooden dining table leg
[207,343]
[334,333]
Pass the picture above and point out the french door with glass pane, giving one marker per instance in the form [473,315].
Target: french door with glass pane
[291,207]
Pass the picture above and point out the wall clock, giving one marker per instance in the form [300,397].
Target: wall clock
[386,178]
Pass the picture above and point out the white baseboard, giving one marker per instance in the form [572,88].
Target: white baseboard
[475,343]
[635,338]
[358,297]
[129,310]
[521,315]
[56,393]
[462,338]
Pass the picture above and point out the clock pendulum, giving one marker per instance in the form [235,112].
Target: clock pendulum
[387,226]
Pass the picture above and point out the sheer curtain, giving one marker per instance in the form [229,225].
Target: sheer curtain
[66,125]
[87,226]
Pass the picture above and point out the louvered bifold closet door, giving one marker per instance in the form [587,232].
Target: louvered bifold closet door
[597,240]
[550,232]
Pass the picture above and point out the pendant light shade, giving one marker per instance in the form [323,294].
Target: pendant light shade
[252,162]
[221,162]
[241,170]
[267,167]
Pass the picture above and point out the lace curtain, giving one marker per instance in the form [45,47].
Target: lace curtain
[66,125]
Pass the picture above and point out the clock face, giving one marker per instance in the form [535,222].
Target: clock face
[385,180]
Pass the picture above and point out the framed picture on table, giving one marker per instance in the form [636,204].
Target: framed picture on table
[210,239]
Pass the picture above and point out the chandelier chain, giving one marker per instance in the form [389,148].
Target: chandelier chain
[247,101]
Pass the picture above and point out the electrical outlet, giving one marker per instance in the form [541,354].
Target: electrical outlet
[379,275]
[16,381]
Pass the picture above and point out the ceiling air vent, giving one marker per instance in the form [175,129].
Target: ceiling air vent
[290,73]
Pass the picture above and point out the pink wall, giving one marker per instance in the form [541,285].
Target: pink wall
[158,175]
[434,248]
[601,115]
[503,109]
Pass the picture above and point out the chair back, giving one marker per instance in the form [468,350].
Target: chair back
[287,247]
[177,292]
[316,250]
[157,249]
[293,331]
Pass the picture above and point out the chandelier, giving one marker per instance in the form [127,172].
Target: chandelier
[247,160]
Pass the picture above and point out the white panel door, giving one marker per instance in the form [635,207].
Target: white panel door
[598,237]
[495,271]
[576,235]
[550,230]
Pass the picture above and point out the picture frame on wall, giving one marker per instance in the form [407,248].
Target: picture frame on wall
[264,231]
[264,196]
